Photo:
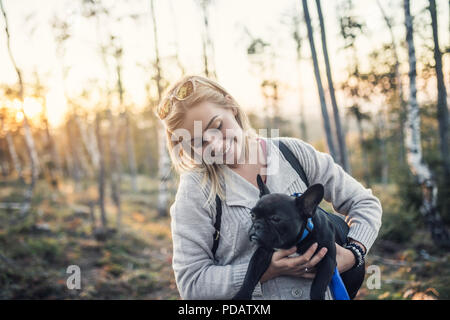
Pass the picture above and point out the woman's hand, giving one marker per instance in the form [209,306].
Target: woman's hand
[344,258]
[281,264]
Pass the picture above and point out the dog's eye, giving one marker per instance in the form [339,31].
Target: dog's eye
[275,219]
[252,214]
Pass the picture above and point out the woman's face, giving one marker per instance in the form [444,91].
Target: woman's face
[214,133]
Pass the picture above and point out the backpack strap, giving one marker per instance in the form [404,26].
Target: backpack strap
[287,153]
[293,161]
[217,225]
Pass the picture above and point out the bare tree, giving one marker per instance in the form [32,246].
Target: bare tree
[51,157]
[11,147]
[101,172]
[164,160]
[177,48]
[293,21]
[343,156]
[77,131]
[207,44]
[399,87]
[360,116]
[326,119]
[442,108]
[420,169]
[29,141]
[118,53]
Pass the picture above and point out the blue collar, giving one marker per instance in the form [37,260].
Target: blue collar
[308,228]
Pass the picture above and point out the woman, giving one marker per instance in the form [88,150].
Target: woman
[216,152]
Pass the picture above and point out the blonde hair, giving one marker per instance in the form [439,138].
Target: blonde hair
[172,121]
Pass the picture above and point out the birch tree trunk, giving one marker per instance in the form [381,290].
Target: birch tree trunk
[73,160]
[384,156]
[101,172]
[12,151]
[164,159]
[298,41]
[207,44]
[130,152]
[53,164]
[86,138]
[126,116]
[115,168]
[401,100]
[326,120]
[29,141]
[442,108]
[177,48]
[343,156]
[421,170]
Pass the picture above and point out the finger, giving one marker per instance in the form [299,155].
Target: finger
[304,258]
[280,254]
[317,257]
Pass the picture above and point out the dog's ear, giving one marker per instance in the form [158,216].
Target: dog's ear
[262,186]
[310,199]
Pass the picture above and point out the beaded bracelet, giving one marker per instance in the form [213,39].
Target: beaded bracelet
[357,252]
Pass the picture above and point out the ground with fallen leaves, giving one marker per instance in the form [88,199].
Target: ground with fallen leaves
[135,263]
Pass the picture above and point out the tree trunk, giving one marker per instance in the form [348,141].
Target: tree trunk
[177,48]
[128,132]
[363,152]
[74,162]
[343,156]
[207,45]
[303,128]
[130,152]
[115,168]
[88,143]
[401,100]
[29,141]
[53,164]
[164,160]
[101,172]
[326,120]
[421,170]
[442,109]
[12,152]
[384,156]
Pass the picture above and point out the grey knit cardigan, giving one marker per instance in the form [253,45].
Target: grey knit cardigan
[199,276]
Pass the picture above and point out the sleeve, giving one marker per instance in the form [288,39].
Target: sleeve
[196,274]
[362,209]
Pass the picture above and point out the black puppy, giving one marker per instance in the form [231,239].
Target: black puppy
[279,221]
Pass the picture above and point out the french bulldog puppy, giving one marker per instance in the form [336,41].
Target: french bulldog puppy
[279,221]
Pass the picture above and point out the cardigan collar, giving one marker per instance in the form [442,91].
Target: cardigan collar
[280,176]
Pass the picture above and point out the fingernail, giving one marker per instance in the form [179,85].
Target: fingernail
[324,250]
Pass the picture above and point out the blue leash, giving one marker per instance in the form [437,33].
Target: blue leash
[338,290]
[337,287]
